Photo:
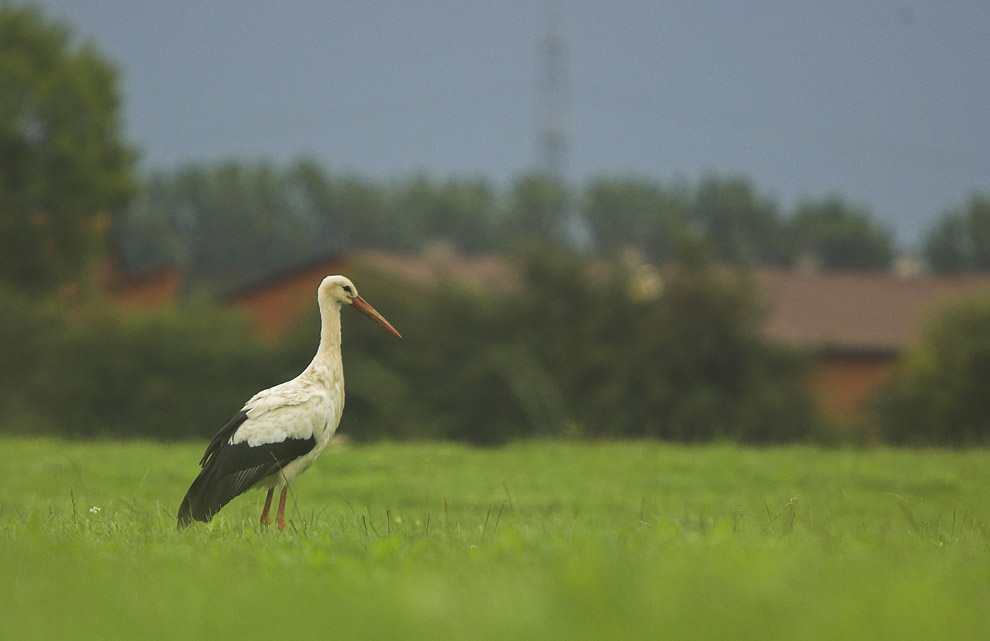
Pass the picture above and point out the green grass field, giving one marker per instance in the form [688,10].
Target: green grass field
[538,540]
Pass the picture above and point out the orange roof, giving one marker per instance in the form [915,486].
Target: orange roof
[858,311]
[486,272]
[869,312]
[149,289]
[861,312]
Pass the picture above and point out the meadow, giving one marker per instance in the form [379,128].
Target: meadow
[534,540]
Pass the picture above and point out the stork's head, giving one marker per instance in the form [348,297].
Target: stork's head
[338,290]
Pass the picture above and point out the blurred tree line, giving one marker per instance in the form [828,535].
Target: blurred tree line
[575,350]
[233,216]
[581,348]
[959,242]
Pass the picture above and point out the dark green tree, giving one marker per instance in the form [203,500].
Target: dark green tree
[960,240]
[65,171]
[537,207]
[686,364]
[840,236]
[743,226]
[459,212]
[939,395]
[225,221]
[636,215]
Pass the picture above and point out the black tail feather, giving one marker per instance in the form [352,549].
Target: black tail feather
[185,514]
[204,498]
[192,504]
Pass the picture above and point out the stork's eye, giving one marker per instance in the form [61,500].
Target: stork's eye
[347,288]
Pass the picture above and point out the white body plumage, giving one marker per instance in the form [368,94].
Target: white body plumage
[302,408]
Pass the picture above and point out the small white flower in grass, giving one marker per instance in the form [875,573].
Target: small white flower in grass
[95,509]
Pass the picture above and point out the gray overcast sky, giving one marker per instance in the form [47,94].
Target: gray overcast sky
[884,102]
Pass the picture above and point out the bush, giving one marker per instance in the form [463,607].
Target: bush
[446,379]
[576,349]
[685,365]
[573,351]
[92,372]
[26,331]
[939,395]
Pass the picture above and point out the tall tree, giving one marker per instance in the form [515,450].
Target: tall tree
[229,219]
[960,240]
[938,395]
[460,211]
[840,236]
[65,170]
[636,214]
[537,206]
[742,226]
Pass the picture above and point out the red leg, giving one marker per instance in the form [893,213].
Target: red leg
[268,505]
[280,515]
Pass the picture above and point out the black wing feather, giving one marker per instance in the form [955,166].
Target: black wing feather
[229,470]
[224,435]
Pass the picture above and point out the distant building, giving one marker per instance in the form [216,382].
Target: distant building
[149,289]
[278,300]
[857,325]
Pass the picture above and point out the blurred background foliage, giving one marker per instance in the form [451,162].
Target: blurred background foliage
[939,395]
[90,370]
[584,346]
[65,169]
[575,350]
[217,221]
[578,349]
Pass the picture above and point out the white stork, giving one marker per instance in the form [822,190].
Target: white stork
[281,430]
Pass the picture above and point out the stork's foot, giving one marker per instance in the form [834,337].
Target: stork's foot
[268,505]
[280,521]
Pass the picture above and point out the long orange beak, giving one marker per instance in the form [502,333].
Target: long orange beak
[365,308]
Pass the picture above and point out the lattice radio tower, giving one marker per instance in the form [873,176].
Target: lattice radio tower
[554,129]
[554,134]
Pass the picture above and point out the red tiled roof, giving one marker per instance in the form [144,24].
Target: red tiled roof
[860,312]
[149,289]
[486,272]
[873,312]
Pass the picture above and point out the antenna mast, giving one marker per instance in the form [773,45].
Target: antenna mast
[554,129]
[554,135]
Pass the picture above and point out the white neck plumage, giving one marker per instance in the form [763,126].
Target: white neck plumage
[327,358]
